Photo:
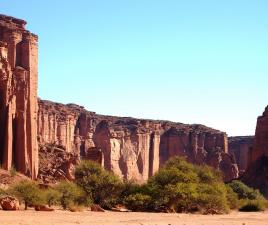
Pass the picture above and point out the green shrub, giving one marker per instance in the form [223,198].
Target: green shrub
[245,192]
[138,202]
[28,192]
[52,197]
[208,175]
[71,194]
[252,206]
[129,188]
[182,187]
[232,198]
[104,187]
[212,198]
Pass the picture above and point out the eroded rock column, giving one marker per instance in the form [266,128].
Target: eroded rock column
[18,96]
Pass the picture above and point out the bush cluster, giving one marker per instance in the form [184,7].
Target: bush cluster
[181,187]
[65,194]
[249,200]
[177,187]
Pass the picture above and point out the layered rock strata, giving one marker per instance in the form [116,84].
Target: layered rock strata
[18,96]
[132,148]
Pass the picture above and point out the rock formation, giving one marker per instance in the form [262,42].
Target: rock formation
[9,203]
[56,164]
[260,147]
[132,148]
[18,96]
[240,147]
[256,174]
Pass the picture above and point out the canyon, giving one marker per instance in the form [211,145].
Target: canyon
[45,140]
[134,149]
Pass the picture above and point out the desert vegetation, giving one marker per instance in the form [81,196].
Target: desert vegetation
[178,187]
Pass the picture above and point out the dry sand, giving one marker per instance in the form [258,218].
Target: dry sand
[112,218]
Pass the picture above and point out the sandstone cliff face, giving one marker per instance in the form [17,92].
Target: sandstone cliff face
[256,174]
[132,148]
[260,147]
[18,96]
[240,148]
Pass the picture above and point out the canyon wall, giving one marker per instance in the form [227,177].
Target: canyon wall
[132,148]
[18,97]
[256,175]
[240,147]
[260,147]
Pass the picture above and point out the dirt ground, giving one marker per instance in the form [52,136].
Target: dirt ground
[113,218]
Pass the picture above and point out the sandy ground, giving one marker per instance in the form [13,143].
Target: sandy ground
[113,218]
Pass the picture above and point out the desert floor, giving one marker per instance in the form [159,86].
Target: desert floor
[113,218]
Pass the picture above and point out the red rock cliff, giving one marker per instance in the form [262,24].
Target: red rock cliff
[260,147]
[256,175]
[132,148]
[240,147]
[18,96]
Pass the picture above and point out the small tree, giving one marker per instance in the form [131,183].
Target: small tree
[52,197]
[138,202]
[129,188]
[104,187]
[212,198]
[28,192]
[71,194]
[182,187]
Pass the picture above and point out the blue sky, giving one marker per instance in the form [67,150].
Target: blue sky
[191,61]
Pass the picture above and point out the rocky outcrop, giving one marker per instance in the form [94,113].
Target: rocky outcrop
[240,147]
[132,148]
[18,97]
[256,175]
[260,147]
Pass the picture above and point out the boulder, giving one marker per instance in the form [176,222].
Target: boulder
[9,203]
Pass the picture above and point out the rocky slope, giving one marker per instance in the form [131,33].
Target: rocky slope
[132,148]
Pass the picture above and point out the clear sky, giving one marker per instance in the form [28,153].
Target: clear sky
[191,61]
